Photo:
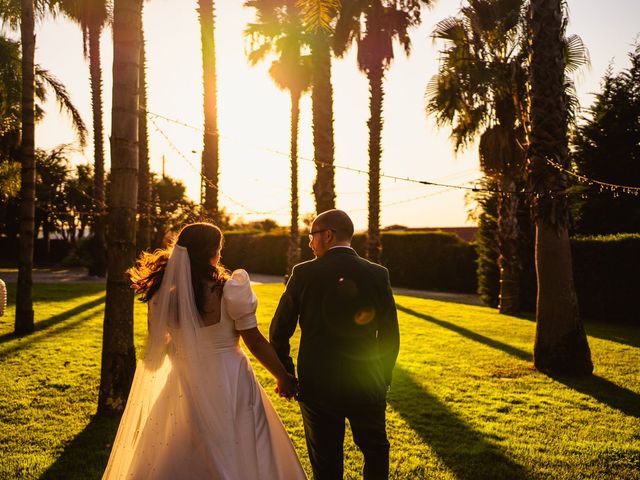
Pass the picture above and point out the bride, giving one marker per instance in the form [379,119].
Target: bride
[196,410]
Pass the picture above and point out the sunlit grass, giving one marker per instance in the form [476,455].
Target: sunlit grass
[465,402]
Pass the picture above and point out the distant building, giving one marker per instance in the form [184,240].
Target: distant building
[468,234]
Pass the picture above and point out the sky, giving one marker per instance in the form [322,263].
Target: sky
[253,115]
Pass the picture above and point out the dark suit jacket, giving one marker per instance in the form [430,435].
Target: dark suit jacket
[349,328]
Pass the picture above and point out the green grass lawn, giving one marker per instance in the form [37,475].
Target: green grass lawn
[465,402]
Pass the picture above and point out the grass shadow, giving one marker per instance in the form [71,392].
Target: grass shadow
[465,332]
[626,334]
[466,452]
[601,389]
[618,333]
[41,327]
[56,292]
[605,391]
[86,456]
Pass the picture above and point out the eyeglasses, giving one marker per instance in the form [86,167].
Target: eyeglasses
[311,234]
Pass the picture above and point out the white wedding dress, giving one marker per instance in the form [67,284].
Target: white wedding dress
[196,410]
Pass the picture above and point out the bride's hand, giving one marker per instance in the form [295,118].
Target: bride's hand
[287,387]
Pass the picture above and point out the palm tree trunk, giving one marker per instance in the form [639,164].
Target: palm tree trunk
[293,252]
[322,106]
[144,180]
[374,244]
[118,353]
[24,301]
[99,267]
[509,259]
[210,160]
[561,345]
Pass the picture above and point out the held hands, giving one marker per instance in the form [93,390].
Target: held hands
[287,387]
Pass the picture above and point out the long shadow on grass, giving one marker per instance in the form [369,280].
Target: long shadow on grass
[626,334]
[465,452]
[42,326]
[86,456]
[619,333]
[601,389]
[465,332]
[57,292]
[605,391]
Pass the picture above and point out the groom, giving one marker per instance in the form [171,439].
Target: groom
[348,347]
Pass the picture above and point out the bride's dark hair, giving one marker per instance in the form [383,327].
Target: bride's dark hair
[202,241]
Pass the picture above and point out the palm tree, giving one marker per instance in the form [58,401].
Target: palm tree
[561,344]
[318,16]
[143,237]
[210,160]
[24,301]
[93,16]
[118,353]
[480,90]
[374,25]
[278,28]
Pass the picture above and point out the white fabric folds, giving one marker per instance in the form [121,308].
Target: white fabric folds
[196,410]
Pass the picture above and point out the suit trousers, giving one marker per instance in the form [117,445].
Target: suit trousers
[324,427]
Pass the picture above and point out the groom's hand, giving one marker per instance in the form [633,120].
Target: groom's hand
[287,387]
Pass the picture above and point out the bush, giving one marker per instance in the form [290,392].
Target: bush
[421,260]
[430,261]
[259,253]
[606,273]
[82,254]
[57,251]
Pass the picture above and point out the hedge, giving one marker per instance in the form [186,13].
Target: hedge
[58,250]
[421,260]
[606,270]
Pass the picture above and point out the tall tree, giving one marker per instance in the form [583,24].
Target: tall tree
[480,91]
[210,158]
[118,353]
[143,237]
[561,345]
[318,17]
[278,28]
[374,25]
[92,16]
[24,301]
[607,148]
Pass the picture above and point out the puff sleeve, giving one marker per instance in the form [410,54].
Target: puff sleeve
[239,300]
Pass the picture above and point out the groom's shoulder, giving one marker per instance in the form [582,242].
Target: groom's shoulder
[303,267]
[377,269]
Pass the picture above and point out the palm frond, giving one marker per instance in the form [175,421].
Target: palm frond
[348,26]
[258,53]
[576,54]
[318,15]
[450,29]
[65,103]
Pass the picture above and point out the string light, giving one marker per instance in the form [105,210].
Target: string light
[603,186]
[342,167]
[208,181]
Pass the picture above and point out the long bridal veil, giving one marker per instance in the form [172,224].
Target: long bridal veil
[167,428]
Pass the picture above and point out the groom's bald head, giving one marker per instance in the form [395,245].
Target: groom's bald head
[336,220]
